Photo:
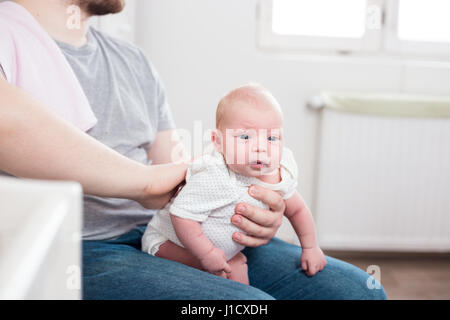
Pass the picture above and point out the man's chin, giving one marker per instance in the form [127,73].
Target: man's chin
[101,7]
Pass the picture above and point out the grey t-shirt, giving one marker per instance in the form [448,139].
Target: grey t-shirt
[129,101]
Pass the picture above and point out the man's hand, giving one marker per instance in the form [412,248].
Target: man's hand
[259,224]
[164,181]
[167,178]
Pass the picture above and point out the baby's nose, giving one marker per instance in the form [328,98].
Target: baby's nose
[260,146]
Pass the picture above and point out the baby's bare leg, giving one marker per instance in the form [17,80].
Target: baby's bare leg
[171,251]
[239,269]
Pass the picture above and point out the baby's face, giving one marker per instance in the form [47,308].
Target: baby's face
[251,139]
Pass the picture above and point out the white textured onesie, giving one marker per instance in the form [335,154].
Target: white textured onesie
[210,196]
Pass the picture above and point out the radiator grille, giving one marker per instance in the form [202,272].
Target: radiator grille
[383,183]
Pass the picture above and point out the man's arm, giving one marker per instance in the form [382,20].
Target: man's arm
[34,143]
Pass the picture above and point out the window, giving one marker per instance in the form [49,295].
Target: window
[300,18]
[389,27]
[420,20]
[418,27]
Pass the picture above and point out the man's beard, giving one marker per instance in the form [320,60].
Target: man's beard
[101,7]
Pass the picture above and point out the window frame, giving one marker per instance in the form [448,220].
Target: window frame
[370,42]
[383,41]
[395,45]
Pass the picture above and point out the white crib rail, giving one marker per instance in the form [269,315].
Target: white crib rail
[40,239]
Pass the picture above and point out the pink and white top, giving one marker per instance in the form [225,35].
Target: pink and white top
[32,61]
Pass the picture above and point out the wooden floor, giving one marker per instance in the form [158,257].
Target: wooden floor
[405,275]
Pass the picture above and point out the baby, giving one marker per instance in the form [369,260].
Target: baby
[195,227]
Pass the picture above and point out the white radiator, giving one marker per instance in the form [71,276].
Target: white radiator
[383,173]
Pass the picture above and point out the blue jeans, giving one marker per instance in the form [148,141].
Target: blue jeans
[118,269]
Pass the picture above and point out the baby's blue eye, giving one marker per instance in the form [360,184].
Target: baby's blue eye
[272,138]
[244,136]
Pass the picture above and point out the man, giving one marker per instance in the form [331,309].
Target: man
[135,128]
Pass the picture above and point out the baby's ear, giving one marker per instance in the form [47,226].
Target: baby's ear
[217,140]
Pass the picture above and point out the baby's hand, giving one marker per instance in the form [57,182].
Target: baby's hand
[313,260]
[215,262]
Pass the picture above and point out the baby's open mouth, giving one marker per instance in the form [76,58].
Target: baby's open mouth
[258,164]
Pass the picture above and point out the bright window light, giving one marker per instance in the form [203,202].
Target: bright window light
[323,18]
[424,20]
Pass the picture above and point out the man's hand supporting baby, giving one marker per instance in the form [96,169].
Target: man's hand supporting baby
[262,225]
[259,225]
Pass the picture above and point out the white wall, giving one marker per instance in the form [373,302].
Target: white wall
[121,25]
